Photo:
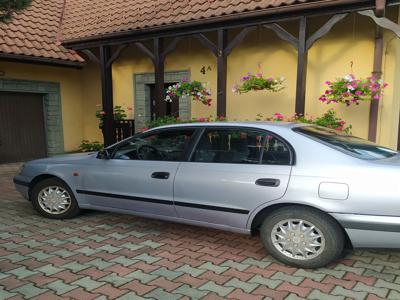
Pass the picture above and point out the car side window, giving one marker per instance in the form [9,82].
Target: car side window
[234,146]
[275,152]
[167,145]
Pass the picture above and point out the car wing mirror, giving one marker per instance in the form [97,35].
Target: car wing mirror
[103,154]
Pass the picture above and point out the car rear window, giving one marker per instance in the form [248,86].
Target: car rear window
[347,143]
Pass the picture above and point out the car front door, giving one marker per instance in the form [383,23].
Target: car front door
[139,175]
[231,172]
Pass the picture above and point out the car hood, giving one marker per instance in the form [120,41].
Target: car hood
[62,159]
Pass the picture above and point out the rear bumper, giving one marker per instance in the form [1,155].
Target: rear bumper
[369,231]
[22,185]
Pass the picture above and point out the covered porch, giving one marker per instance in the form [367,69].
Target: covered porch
[301,28]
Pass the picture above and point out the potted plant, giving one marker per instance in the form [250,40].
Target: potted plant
[258,82]
[350,90]
[194,89]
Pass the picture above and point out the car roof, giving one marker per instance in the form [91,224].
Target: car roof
[257,124]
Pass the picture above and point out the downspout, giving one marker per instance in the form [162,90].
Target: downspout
[377,69]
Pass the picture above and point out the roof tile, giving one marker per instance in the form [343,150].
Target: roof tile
[33,32]
[88,18]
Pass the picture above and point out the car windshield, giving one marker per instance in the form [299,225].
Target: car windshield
[350,144]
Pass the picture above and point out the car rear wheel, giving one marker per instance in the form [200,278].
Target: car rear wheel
[52,198]
[302,237]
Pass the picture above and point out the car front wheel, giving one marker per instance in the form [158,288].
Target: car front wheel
[52,198]
[302,237]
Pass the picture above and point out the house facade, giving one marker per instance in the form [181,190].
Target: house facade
[66,58]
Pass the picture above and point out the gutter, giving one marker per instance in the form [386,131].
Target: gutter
[306,8]
[40,60]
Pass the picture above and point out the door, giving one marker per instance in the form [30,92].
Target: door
[171,108]
[232,171]
[140,174]
[22,130]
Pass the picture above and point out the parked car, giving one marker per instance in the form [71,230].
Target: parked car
[309,191]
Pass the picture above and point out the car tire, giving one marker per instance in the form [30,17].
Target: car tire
[52,198]
[289,236]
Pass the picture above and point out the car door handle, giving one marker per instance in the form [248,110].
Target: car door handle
[268,182]
[160,175]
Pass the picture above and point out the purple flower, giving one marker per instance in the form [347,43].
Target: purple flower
[359,93]
[245,78]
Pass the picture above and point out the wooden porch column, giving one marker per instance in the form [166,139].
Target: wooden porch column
[161,108]
[222,59]
[302,56]
[107,95]
[377,71]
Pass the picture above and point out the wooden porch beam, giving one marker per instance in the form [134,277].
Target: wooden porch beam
[161,107]
[107,96]
[238,39]
[172,46]
[116,54]
[145,50]
[302,57]
[326,28]
[207,43]
[377,71]
[283,34]
[92,57]
[382,21]
[222,60]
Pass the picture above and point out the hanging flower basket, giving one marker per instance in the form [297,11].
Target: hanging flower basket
[350,90]
[195,89]
[251,82]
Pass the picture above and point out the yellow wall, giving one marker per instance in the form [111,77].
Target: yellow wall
[71,95]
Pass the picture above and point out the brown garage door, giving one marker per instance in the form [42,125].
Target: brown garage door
[22,133]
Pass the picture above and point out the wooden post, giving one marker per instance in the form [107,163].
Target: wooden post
[107,96]
[159,77]
[301,67]
[377,71]
[221,73]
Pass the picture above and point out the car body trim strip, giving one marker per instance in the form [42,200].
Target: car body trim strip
[167,202]
[368,222]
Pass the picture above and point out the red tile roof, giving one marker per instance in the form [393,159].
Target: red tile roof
[33,33]
[36,31]
[88,18]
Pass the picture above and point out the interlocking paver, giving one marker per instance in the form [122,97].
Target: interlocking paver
[115,280]
[29,290]
[216,288]
[192,293]
[105,256]
[87,283]
[59,287]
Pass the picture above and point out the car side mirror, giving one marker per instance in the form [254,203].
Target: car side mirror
[103,154]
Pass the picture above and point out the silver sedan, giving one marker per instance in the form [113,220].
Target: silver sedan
[308,191]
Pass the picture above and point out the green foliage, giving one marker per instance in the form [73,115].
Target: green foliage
[328,119]
[87,146]
[169,120]
[119,114]
[9,7]
[257,82]
[194,89]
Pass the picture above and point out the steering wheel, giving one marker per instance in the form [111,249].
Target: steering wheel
[143,150]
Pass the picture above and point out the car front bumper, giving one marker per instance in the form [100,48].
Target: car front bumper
[22,185]
[370,231]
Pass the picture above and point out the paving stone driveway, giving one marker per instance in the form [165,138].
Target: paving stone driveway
[108,256]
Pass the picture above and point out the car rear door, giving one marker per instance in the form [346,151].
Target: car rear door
[231,172]
[140,174]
